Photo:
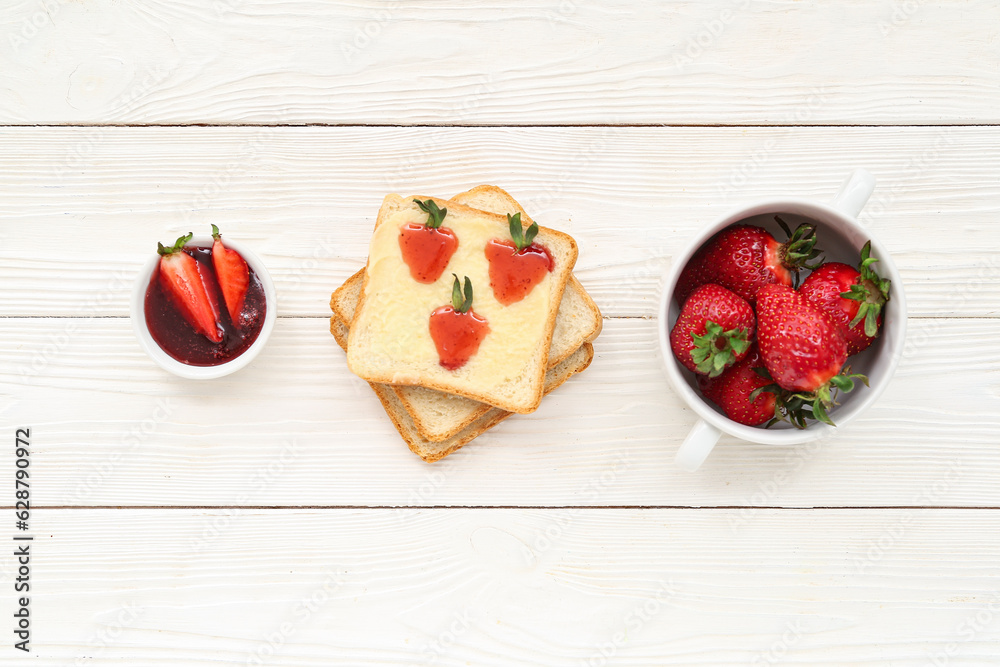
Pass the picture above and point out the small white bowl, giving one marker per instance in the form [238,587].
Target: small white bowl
[137,310]
[841,236]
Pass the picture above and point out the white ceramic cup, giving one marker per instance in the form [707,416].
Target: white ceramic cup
[841,237]
[137,312]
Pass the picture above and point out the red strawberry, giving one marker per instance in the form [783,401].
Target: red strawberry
[713,331]
[517,266]
[456,329]
[735,387]
[744,258]
[427,248]
[803,348]
[710,386]
[852,297]
[233,275]
[182,281]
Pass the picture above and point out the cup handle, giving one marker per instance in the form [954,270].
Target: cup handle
[697,446]
[854,193]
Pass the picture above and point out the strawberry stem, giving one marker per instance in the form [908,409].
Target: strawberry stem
[435,215]
[825,397]
[522,237]
[461,304]
[800,248]
[716,350]
[786,408]
[176,247]
[870,290]
[783,225]
[798,407]
[216,234]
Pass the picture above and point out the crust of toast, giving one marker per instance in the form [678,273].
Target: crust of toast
[431,451]
[521,396]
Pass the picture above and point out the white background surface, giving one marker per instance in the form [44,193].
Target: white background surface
[275,517]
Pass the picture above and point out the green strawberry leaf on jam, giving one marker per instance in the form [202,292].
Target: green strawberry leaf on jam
[522,237]
[435,215]
[461,303]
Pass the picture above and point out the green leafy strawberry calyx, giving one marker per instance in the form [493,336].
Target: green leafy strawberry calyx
[716,350]
[522,237]
[176,247]
[786,407]
[799,251]
[435,215]
[462,303]
[798,407]
[870,290]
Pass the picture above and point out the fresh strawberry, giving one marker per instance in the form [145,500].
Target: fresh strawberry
[695,274]
[803,348]
[427,248]
[710,386]
[801,345]
[181,279]
[233,275]
[713,330]
[456,329]
[852,297]
[517,266]
[744,258]
[736,391]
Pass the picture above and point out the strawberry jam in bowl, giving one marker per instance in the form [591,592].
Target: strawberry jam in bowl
[203,307]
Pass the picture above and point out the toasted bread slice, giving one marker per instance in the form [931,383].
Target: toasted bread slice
[430,450]
[389,339]
[438,416]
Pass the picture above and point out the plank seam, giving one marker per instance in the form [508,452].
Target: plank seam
[513,507]
[499,126]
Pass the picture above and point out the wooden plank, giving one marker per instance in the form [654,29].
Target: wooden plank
[514,62]
[297,428]
[83,207]
[513,587]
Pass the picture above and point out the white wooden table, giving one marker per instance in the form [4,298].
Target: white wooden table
[275,517]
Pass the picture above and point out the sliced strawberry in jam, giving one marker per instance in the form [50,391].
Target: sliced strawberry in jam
[517,266]
[233,275]
[456,329]
[427,248]
[181,276]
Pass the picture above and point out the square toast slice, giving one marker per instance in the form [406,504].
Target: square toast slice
[389,337]
[438,416]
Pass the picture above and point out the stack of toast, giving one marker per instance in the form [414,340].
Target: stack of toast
[379,319]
